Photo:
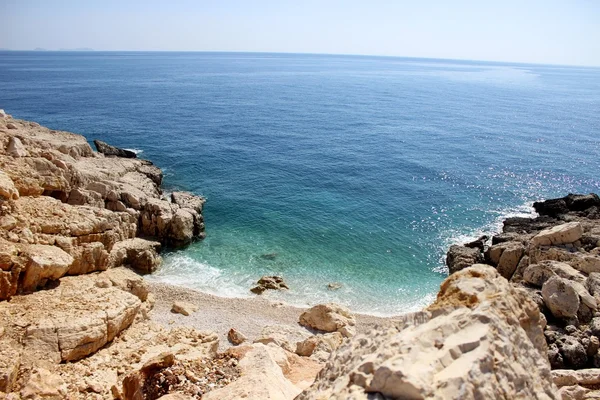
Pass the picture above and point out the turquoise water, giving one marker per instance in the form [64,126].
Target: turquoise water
[358,170]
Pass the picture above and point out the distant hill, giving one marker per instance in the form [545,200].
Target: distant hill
[77,49]
[39,49]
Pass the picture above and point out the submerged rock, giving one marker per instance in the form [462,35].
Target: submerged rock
[269,282]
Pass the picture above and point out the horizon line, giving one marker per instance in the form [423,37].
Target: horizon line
[91,50]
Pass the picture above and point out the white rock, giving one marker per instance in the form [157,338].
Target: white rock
[15,148]
[561,297]
[560,234]
[486,342]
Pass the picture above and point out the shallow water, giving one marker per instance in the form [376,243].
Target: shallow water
[357,170]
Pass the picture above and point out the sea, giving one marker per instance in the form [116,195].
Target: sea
[353,170]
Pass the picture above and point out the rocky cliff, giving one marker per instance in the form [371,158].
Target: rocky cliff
[518,318]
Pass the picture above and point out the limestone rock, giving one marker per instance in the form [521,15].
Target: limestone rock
[182,226]
[7,188]
[188,200]
[560,234]
[537,274]
[109,150]
[484,341]
[235,337]
[45,262]
[129,281]
[262,378]
[319,346]
[560,297]
[508,261]
[329,318]
[283,336]
[15,148]
[42,384]
[460,257]
[181,307]
[140,254]
[269,282]
[568,377]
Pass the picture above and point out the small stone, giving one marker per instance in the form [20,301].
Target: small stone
[334,286]
[236,337]
[181,307]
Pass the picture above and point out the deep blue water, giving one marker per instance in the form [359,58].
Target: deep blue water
[358,170]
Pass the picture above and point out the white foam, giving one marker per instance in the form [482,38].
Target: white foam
[136,151]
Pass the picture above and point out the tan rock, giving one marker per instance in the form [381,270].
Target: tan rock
[561,297]
[559,234]
[283,336]
[537,274]
[236,337]
[140,254]
[329,318]
[184,308]
[511,255]
[42,384]
[45,262]
[262,379]
[15,148]
[484,341]
[127,280]
[319,346]
[8,191]
[569,377]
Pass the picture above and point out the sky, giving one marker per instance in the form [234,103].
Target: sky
[530,31]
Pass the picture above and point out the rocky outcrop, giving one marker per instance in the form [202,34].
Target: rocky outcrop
[65,210]
[109,150]
[482,339]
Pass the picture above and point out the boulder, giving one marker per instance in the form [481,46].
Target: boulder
[269,282]
[140,254]
[560,297]
[537,274]
[109,150]
[559,234]
[184,308]
[484,341]
[329,318]
[509,259]
[72,320]
[15,148]
[319,346]
[573,352]
[45,262]
[460,257]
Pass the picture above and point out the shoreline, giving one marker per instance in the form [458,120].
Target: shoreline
[247,315]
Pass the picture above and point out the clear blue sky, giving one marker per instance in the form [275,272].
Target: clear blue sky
[539,31]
